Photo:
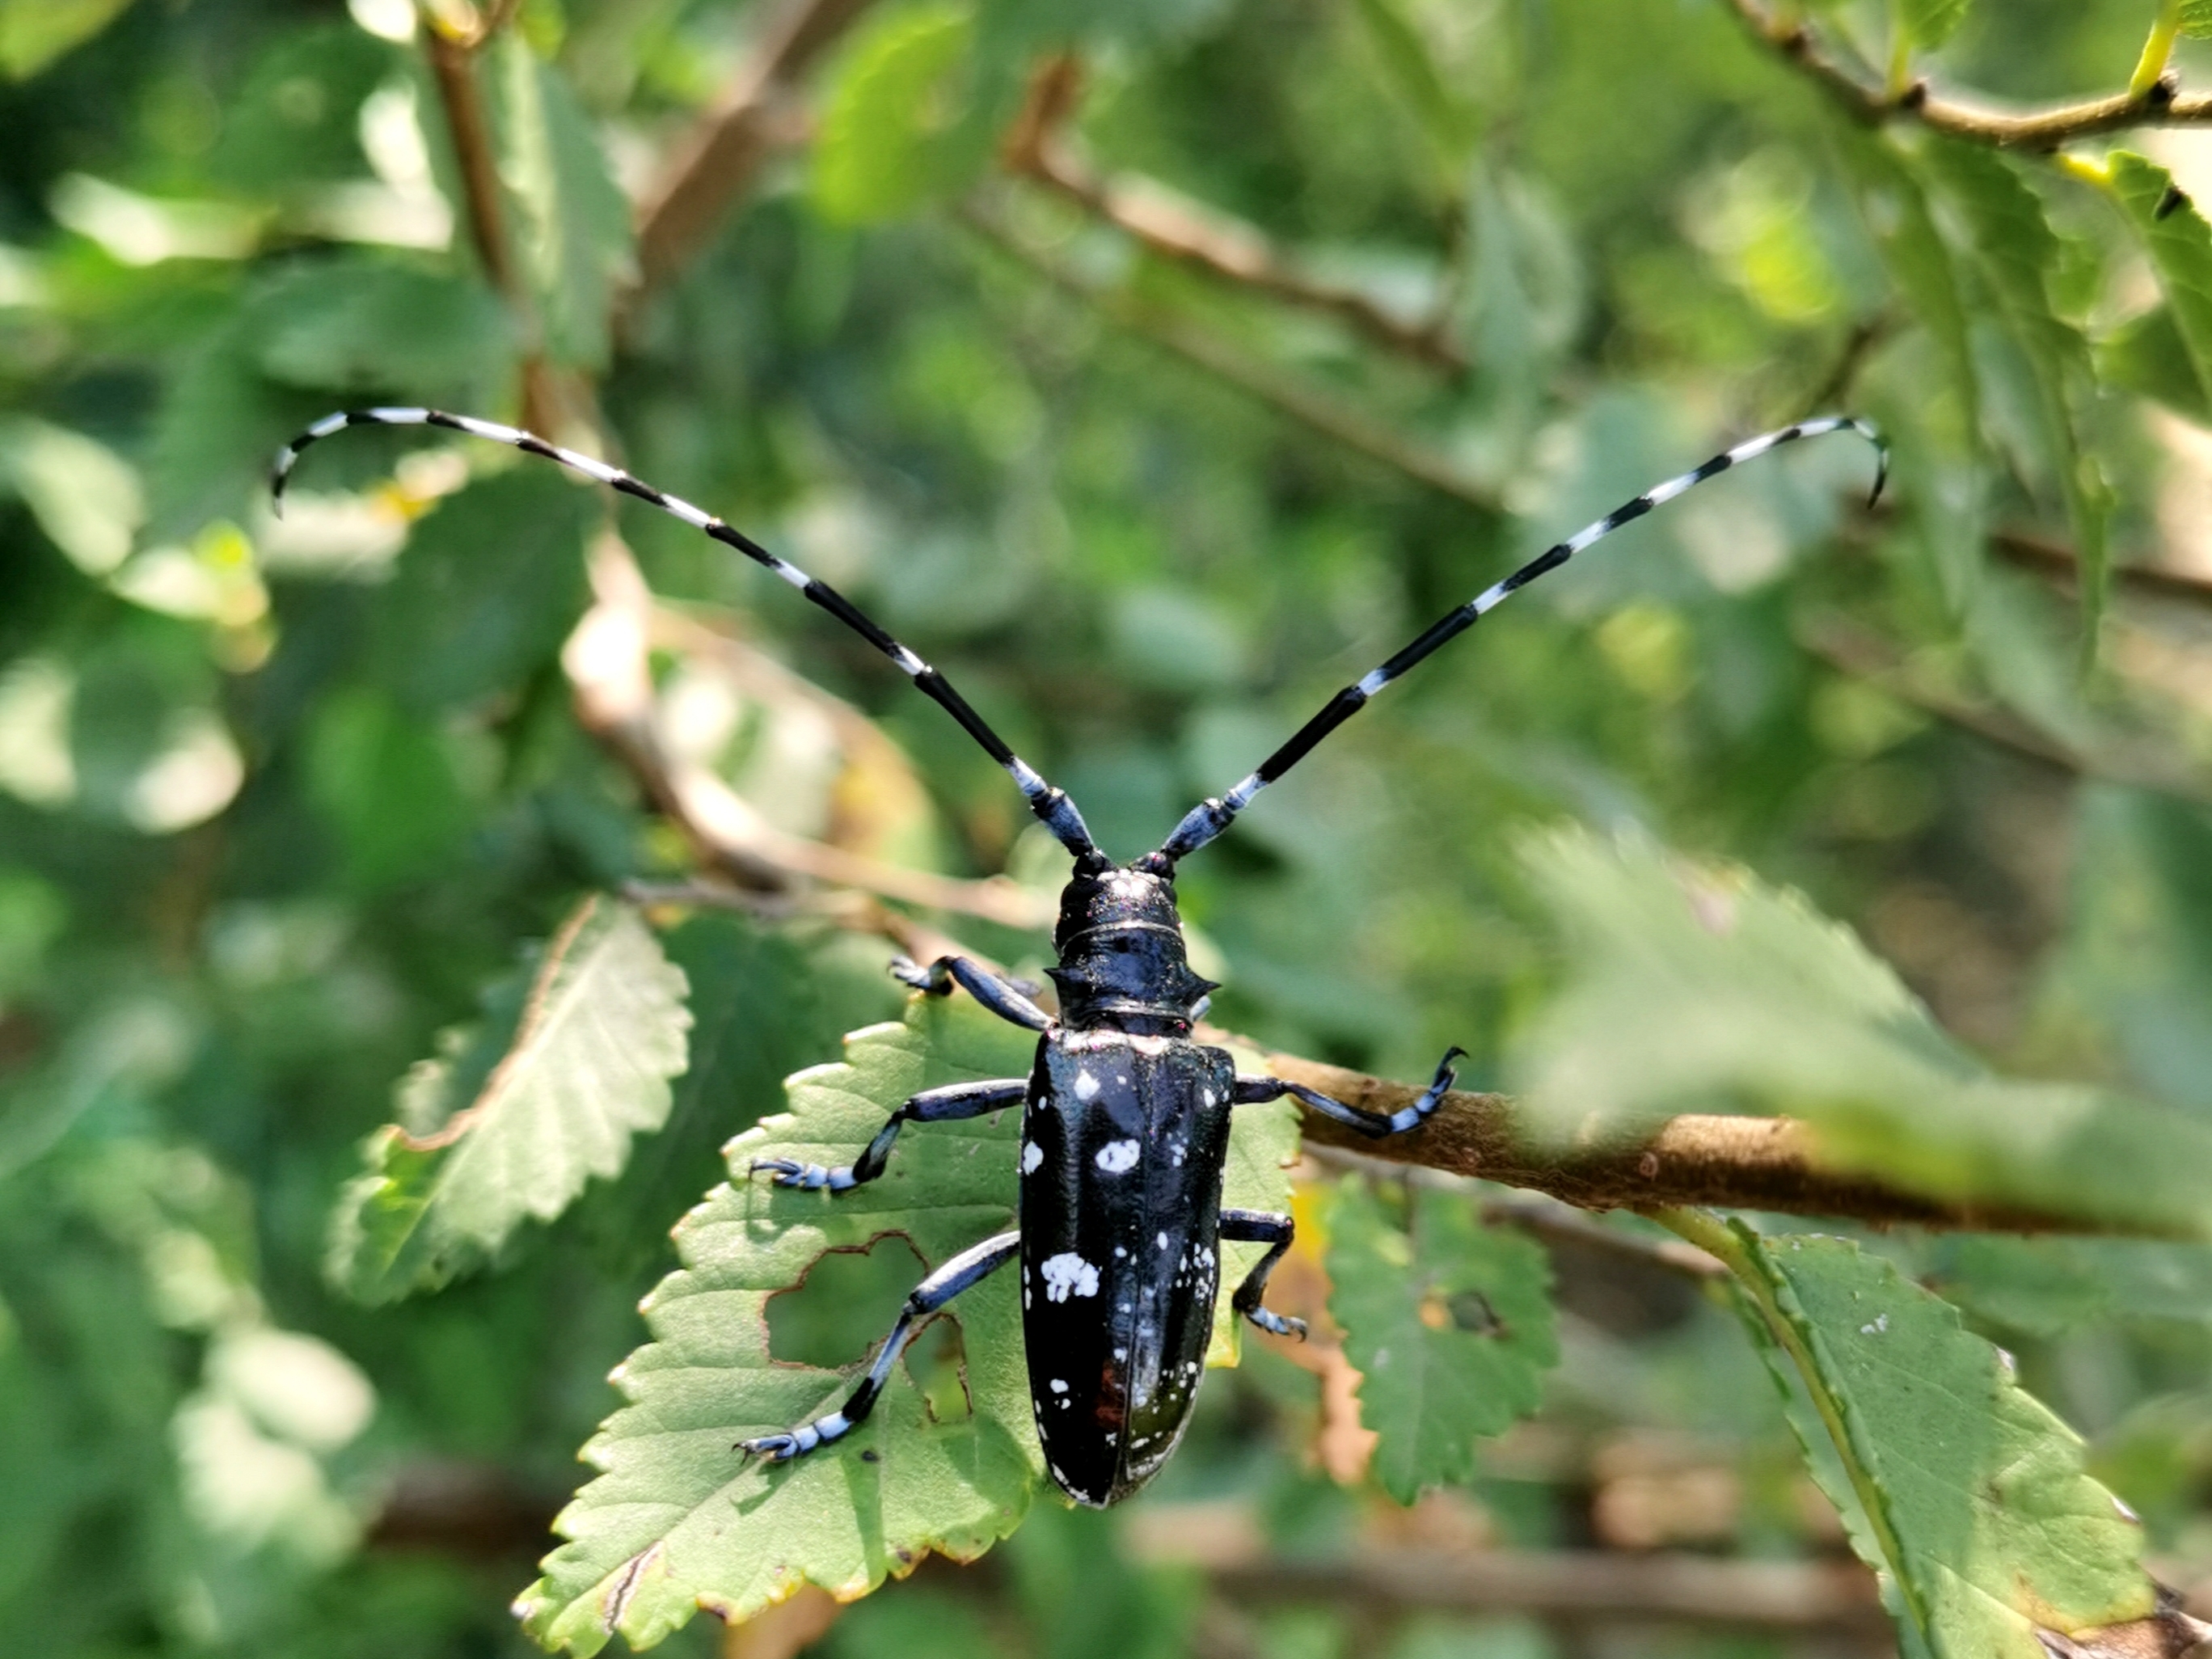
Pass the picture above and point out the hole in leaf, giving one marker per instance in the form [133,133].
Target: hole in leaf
[938,1362]
[845,1305]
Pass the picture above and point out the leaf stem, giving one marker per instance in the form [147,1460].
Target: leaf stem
[1735,1249]
[2158,49]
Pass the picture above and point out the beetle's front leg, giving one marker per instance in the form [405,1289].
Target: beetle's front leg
[1001,996]
[1252,1089]
[946,1105]
[976,1262]
[1260,1227]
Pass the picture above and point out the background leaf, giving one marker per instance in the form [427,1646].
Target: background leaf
[892,135]
[489,1144]
[1695,989]
[2180,245]
[1450,1323]
[678,1520]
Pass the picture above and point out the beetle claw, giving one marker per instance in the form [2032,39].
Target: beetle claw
[775,1448]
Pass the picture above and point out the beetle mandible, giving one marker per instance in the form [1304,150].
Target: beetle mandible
[1125,1117]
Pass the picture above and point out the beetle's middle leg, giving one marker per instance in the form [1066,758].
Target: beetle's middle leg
[946,1105]
[1260,1227]
[972,1265]
[1001,996]
[1252,1089]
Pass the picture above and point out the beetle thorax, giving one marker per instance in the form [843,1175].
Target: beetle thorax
[1122,965]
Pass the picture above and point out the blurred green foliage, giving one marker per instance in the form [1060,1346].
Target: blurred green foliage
[280,802]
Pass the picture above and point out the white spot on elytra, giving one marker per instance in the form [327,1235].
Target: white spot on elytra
[1207,1095]
[1163,1237]
[1058,1386]
[1117,1155]
[1086,1086]
[1068,1274]
[1032,1155]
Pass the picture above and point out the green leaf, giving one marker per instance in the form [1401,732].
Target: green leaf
[1966,1492]
[2047,1287]
[1445,118]
[1450,1323]
[1928,23]
[2136,961]
[1895,209]
[388,786]
[2147,355]
[34,32]
[2180,246]
[367,325]
[2196,18]
[678,1520]
[295,122]
[489,585]
[487,1144]
[571,226]
[2018,255]
[892,133]
[1697,988]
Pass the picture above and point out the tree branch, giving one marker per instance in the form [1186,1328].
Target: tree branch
[606,663]
[1175,228]
[716,162]
[2156,104]
[1697,1159]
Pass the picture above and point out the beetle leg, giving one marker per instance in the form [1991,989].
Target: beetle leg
[1252,1089]
[1260,1227]
[946,1105]
[971,1265]
[1002,997]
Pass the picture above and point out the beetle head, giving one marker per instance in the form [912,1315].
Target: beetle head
[1122,957]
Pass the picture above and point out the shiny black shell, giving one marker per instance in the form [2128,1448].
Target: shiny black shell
[1124,1137]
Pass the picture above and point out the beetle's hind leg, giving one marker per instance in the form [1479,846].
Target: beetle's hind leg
[1003,997]
[946,1105]
[970,1266]
[1260,1227]
[1252,1089]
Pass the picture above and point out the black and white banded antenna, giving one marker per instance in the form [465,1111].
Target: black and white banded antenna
[1210,817]
[1051,804]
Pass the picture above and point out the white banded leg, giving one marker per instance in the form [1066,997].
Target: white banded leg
[1260,1227]
[950,1104]
[969,1267]
[1252,1089]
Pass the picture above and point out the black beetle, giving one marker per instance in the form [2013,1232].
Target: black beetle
[1125,1119]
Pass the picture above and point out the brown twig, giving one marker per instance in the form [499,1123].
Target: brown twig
[1309,406]
[1203,238]
[606,662]
[1542,1217]
[2051,558]
[717,161]
[2158,104]
[1695,1159]
[452,70]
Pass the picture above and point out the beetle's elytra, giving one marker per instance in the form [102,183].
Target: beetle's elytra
[1125,1119]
